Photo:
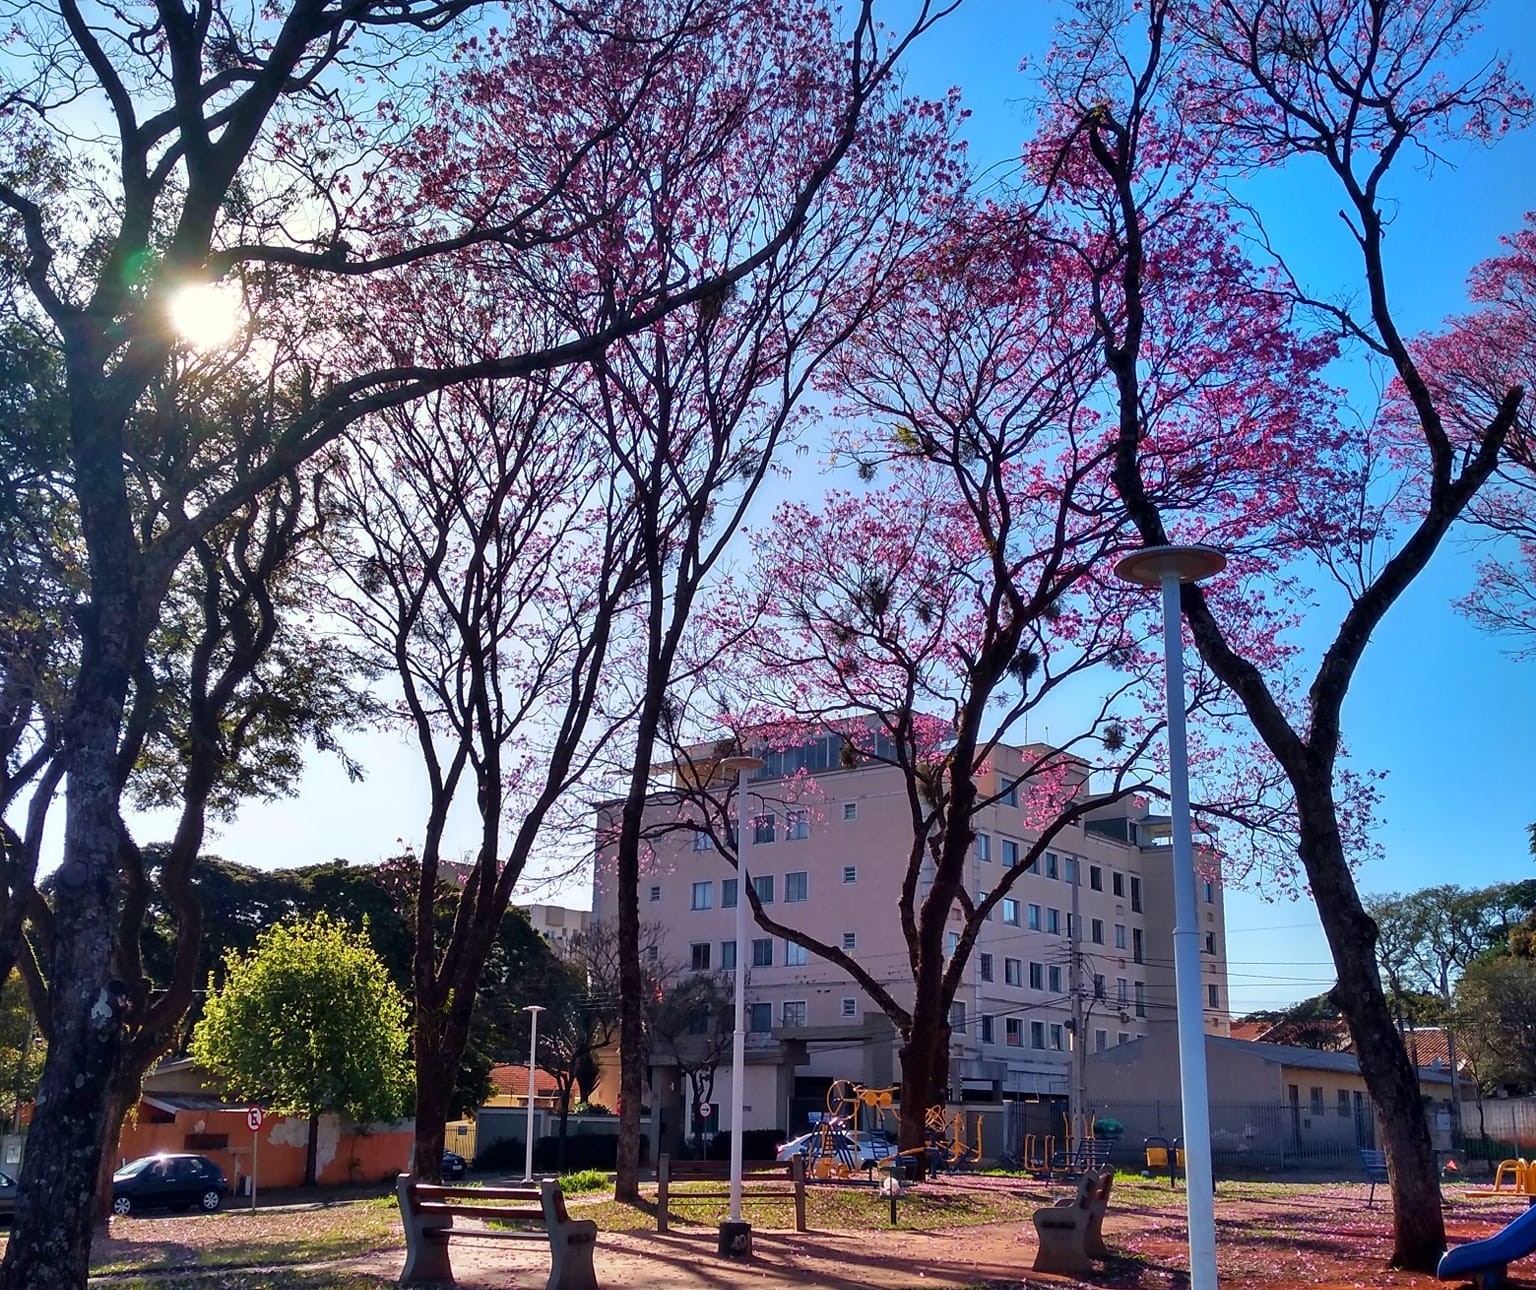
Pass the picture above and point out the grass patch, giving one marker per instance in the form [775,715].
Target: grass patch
[278,1279]
[585,1180]
[828,1207]
[237,1239]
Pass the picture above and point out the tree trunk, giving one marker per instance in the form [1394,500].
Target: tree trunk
[312,1152]
[1418,1226]
[118,1106]
[50,1240]
[916,1090]
[565,1119]
[631,983]
[435,1073]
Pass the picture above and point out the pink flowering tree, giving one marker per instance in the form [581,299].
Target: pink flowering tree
[301,152]
[1148,121]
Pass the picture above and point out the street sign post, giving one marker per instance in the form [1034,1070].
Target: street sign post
[253,1119]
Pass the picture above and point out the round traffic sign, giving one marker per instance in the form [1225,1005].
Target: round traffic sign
[253,1118]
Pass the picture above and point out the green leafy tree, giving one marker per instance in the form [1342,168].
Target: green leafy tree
[1496,1016]
[309,1023]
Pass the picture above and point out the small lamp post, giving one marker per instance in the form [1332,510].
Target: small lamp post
[533,1010]
[735,1233]
[1167,567]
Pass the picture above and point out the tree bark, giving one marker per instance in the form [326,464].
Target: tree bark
[1418,1223]
[435,1072]
[312,1152]
[631,1003]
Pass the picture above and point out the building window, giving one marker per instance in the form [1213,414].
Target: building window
[1141,998]
[957,1018]
[698,956]
[1011,793]
[850,941]
[1137,952]
[703,842]
[1210,942]
[984,847]
[763,886]
[797,826]
[795,954]
[850,810]
[1053,921]
[1055,979]
[1317,1100]
[1034,918]
[850,873]
[1100,1040]
[1013,972]
[1037,1034]
[1095,878]
[1051,865]
[850,1007]
[703,895]
[1098,985]
[1117,882]
[986,967]
[795,887]
[1010,853]
[764,828]
[1096,931]
[952,943]
[1069,870]
[760,1018]
[1013,1032]
[1210,893]
[1037,976]
[794,1012]
[981,899]
[1058,1037]
[728,893]
[1213,995]
[762,951]
[1011,911]
[698,1021]
[986,1029]
[652,953]
[1135,894]
[1122,990]
[1343,1103]
[1120,936]
[727,956]
[1122,1038]
[655,893]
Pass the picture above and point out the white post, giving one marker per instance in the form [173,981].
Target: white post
[1166,567]
[255,1138]
[739,1034]
[1200,1192]
[533,1011]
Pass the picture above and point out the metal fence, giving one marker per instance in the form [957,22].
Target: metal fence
[1247,1137]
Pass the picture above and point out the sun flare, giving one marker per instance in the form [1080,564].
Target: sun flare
[207,314]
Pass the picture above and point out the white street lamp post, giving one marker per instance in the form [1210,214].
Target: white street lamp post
[533,1010]
[1167,567]
[735,1234]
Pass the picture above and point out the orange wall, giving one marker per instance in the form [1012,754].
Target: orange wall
[343,1156]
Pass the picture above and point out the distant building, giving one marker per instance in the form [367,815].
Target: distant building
[832,867]
[557,924]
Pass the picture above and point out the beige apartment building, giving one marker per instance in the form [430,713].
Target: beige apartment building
[827,853]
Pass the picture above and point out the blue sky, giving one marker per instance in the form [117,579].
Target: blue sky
[1436,705]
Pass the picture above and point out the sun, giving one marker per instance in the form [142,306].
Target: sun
[207,314]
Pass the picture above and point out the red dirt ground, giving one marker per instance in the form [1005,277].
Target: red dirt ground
[1321,1237]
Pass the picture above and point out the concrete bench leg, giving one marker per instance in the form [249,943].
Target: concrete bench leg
[1061,1247]
[570,1257]
[426,1256]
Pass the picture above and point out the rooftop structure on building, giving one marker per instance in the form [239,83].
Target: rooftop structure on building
[827,852]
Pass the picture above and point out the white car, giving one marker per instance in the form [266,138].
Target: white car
[872,1147]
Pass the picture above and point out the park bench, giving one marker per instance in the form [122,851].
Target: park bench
[1375,1165]
[1071,1232]
[533,1213]
[791,1176]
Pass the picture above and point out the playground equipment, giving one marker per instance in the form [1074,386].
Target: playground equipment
[1512,1178]
[1487,1262]
[835,1150]
[1163,1155]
